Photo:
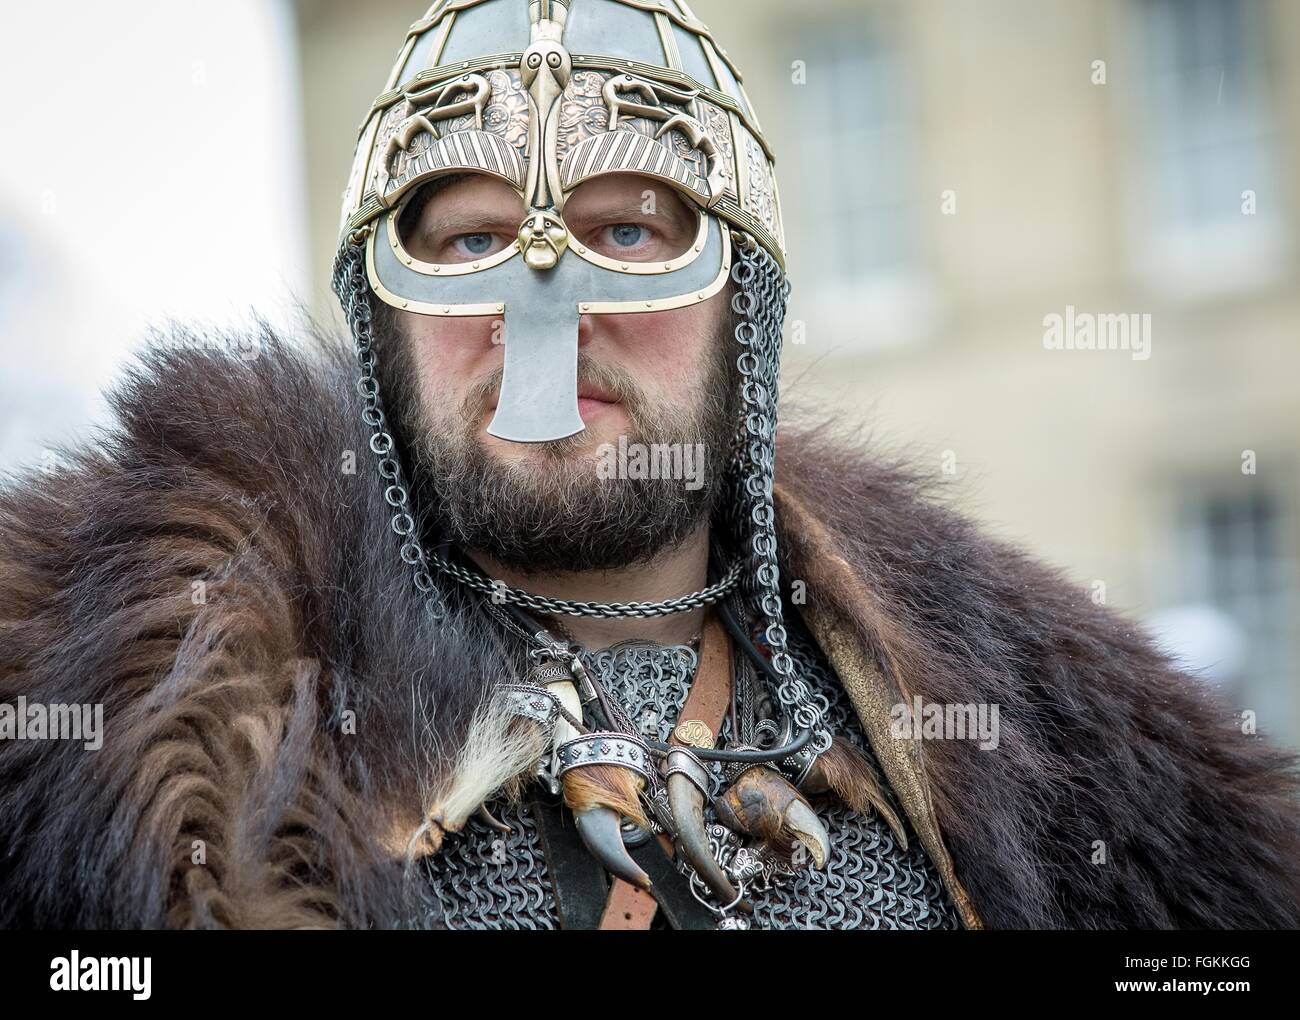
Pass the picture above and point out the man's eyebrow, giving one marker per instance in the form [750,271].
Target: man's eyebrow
[633,209]
[468,220]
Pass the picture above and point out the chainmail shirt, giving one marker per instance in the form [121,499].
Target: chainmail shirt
[482,879]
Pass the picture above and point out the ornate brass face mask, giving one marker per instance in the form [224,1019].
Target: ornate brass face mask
[597,87]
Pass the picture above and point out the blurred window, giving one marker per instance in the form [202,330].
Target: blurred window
[858,145]
[1235,554]
[1206,134]
[1210,123]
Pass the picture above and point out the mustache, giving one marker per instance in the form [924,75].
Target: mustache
[620,386]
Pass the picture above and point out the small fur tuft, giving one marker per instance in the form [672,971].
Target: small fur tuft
[845,772]
[499,754]
[611,786]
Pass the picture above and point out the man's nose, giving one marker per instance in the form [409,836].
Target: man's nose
[586,330]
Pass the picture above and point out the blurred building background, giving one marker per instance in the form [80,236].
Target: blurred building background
[953,175]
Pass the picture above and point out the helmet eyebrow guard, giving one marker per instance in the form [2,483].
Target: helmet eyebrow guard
[595,87]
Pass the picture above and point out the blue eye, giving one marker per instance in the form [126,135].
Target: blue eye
[627,235]
[476,244]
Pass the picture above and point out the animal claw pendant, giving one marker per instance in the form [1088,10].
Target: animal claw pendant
[764,805]
[688,786]
[491,820]
[603,775]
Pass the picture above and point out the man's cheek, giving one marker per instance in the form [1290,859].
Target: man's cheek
[664,345]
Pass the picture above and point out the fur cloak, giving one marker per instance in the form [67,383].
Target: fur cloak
[282,717]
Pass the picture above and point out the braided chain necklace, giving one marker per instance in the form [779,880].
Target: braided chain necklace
[500,592]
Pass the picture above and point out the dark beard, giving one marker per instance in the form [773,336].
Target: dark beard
[555,513]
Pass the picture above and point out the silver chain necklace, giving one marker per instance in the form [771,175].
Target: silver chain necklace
[500,592]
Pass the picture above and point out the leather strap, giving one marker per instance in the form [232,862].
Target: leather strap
[579,882]
[629,908]
[672,891]
[709,698]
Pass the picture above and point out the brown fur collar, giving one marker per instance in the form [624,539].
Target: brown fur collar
[281,714]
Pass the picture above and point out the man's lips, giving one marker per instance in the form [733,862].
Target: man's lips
[591,400]
[589,407]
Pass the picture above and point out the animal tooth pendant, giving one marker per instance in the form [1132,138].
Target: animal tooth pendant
[603,774]
[688,786]
[558,682]
[762,804]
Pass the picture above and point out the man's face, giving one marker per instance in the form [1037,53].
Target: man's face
[647,378]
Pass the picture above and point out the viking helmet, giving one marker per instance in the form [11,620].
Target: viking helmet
[546,95]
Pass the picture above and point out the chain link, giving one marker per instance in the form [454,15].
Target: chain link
[759,301]
[352,288]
